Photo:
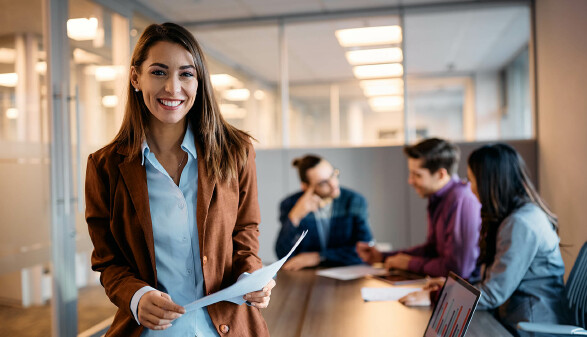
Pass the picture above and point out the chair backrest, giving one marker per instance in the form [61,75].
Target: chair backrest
[576,289]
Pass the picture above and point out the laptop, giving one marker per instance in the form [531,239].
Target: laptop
[453,312]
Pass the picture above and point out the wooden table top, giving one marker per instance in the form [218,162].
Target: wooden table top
[304,304]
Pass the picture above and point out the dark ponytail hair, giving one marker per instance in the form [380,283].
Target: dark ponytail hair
[303,164]
[503,186]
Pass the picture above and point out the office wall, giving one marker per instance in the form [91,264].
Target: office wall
[397,215]
[561,74]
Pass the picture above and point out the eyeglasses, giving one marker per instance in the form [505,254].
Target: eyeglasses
[326,182]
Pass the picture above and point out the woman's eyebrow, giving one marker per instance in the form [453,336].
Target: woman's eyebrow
[161,65]
[156,64]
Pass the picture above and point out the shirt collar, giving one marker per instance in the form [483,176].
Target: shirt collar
[145,151]
[442,191]
[187,144]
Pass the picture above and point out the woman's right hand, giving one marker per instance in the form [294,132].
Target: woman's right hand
[156,310]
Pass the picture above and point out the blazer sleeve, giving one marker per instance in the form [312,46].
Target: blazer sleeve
[117,277]
[245,237]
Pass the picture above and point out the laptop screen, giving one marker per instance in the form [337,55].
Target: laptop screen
[456,305]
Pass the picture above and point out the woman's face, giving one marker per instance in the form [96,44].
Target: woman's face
[473,182]
[168,81]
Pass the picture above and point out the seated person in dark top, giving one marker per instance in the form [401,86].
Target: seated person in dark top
[453,216]
[522,268]
[335,217]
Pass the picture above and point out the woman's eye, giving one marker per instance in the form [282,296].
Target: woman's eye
[157,72]
[187,74]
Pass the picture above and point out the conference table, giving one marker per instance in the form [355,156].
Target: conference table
[304,304]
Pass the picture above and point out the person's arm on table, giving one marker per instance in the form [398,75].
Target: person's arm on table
[460,249]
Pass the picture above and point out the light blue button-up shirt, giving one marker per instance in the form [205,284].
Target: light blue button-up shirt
[177,252]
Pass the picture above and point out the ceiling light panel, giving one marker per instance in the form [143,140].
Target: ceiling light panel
[369,36]
[8,79]
[385,87]
[374,56]
[223,81]
[386,103]
[378,71]
[236,94]
[82,29]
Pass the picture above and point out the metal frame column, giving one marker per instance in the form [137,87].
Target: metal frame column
[64,296]
[284,86]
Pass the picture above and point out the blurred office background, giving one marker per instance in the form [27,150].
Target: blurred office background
[350,80]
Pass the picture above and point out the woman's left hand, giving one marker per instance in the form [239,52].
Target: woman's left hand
[260,299]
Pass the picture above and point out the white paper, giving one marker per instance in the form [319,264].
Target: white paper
[351,272]
[386,294]
[249,283]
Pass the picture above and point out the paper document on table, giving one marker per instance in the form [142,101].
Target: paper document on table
[386,294]
[351,272]
[249,283]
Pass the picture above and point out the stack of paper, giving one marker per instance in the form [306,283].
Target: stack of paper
[386,294]
[351,272]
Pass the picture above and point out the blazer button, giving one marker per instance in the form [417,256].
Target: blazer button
[224,328]
[204,259]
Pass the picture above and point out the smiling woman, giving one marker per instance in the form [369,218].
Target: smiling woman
[160,239]
[167,82]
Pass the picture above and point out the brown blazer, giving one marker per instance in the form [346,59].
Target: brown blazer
[119,222]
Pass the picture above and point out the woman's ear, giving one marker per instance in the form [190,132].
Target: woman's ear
[134,78]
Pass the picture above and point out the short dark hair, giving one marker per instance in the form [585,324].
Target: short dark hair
[303,164]
[436,154]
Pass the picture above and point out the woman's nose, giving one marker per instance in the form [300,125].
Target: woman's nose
[173,85]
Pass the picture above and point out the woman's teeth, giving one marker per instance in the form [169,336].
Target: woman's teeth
[170,103]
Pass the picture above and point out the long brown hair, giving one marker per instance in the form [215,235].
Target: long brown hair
[224,146]
[503,186]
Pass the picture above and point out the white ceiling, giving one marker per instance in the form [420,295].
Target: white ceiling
[436,43]
[466,40]
[210,10]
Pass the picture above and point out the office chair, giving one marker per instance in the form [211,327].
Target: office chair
[576,295]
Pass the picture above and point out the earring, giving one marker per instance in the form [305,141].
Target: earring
[136,89]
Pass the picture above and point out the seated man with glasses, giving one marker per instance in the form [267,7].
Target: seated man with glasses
[335,217]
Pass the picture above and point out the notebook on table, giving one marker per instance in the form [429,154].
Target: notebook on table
[453,312]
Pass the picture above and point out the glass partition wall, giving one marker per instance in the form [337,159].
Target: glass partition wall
[457,72]
[47,130]
[468,73]
[25,244]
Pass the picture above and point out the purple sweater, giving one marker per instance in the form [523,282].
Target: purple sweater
[454,223]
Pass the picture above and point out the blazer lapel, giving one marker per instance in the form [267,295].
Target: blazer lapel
[205,191]
[135,179]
